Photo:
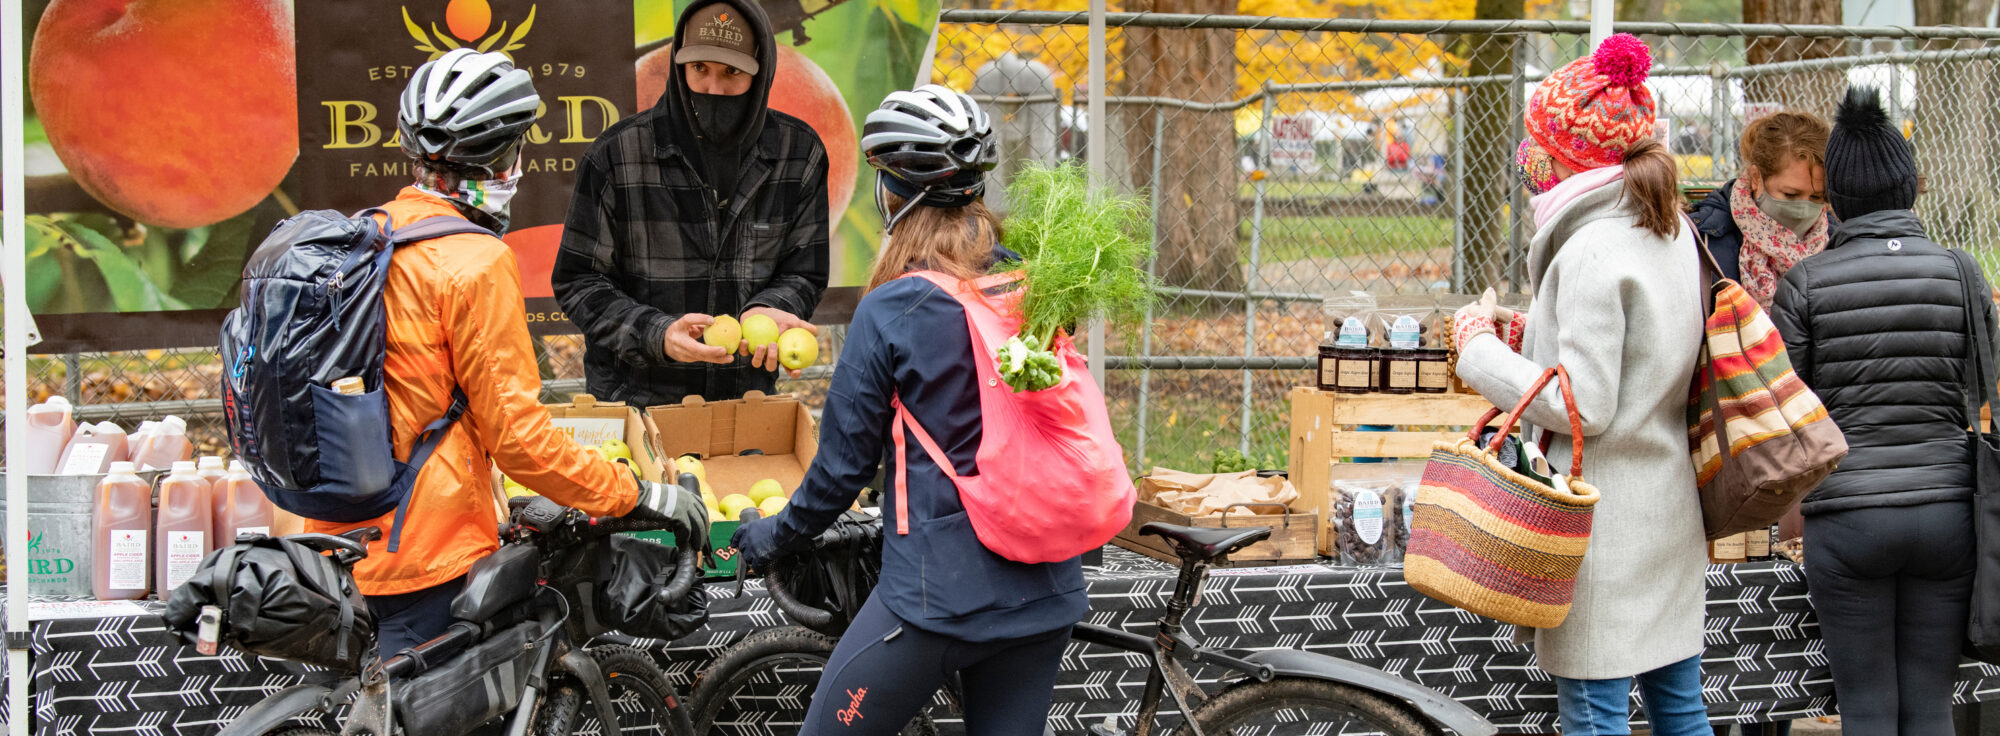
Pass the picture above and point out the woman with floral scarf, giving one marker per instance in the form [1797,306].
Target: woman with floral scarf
[1774,215]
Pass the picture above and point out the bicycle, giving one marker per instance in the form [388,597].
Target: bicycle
[1277,691]
[1274,691]
[518,636]
[777,669]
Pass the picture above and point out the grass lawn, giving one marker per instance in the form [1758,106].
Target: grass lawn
[1185,429]
[1299,238]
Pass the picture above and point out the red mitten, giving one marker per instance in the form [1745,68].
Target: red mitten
[1472,320]
[1513,330]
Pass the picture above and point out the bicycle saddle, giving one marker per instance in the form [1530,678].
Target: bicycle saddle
[1206,542]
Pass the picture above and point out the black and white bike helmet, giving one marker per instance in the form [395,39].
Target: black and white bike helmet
[930,145]
[468,110]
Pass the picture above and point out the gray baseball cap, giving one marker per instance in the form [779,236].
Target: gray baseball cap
[718,32]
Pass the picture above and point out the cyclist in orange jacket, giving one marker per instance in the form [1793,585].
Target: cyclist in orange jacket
[455,321]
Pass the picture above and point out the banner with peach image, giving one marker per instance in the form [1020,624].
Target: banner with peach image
[166,137]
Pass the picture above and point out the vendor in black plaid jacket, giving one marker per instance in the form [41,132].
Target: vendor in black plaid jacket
[708,204]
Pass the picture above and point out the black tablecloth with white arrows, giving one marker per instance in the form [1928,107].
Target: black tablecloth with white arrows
[1764,662]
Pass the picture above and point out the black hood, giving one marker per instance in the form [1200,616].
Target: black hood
[676,102]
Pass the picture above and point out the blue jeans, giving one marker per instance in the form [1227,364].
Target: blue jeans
[1672,695]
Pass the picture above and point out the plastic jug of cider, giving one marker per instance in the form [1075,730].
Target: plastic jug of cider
[120,526]
[185,529]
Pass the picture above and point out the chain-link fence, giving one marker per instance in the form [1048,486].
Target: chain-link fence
[1290,159]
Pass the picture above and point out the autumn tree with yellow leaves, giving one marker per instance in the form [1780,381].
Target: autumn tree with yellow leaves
[1198,191]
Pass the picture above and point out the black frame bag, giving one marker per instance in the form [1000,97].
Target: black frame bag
[280,597]
[1982,629]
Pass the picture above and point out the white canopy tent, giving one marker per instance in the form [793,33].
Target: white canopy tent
[19,331]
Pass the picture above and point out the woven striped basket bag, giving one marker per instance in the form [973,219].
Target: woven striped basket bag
[1492,541]
[1759,437]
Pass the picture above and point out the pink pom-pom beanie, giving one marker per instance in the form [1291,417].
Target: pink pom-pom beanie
[1591,111]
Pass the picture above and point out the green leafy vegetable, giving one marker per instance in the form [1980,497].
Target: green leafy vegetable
[1083,250]
[1229,460]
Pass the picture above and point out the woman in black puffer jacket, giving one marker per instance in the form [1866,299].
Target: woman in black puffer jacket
[1876,326]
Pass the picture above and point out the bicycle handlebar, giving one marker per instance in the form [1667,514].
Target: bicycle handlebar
[575,527]
[805,614]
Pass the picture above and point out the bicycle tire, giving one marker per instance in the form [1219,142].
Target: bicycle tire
[1262,708]
[629,673]
[761,655]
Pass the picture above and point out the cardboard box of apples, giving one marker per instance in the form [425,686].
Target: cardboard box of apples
[618,432]
[747,452]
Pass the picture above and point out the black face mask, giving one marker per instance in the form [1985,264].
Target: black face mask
[719,119]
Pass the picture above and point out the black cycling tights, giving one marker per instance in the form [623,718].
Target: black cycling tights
[884,671]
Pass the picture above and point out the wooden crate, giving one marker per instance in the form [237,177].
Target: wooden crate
[1325,427]
[1291,538]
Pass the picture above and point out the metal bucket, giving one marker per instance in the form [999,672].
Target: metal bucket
[59,539]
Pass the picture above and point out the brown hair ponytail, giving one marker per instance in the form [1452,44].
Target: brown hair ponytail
[954,240]
[1652,180]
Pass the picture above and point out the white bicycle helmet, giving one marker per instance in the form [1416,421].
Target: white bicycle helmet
[929,135]
[930,145]
[468,110]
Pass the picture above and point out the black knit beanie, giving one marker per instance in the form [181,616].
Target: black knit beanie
[1869,167]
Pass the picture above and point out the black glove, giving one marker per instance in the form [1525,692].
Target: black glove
[680,505]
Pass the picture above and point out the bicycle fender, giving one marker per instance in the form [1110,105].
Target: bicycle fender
[1428,703]
[277,711]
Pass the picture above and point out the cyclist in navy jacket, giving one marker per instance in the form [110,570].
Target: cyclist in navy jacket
[945,606]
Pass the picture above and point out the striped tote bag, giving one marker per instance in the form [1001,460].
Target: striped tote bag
[1491,540]
[1760,439]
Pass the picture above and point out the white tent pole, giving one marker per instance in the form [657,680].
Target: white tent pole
[1601,13]
[13,280]
[1099,152]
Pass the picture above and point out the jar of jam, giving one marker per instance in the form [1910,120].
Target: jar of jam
[1397,371]
[1347,370]
[1434,372]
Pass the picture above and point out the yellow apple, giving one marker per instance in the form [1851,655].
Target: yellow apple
[725,333]
[759,330]
[771,506]
[798,349]
[616,450]
[691,464]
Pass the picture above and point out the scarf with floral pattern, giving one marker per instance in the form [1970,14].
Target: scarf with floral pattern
[1769,248]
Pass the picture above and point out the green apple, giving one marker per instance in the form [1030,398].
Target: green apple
[759,330]
[798,348]
[616,450]
[765,490]
[734,504]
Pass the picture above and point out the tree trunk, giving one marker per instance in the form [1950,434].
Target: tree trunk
[1952,115]
[1813,91]
[1199,173]
[1490,116]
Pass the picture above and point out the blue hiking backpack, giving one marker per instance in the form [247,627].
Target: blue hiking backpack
[312,313]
